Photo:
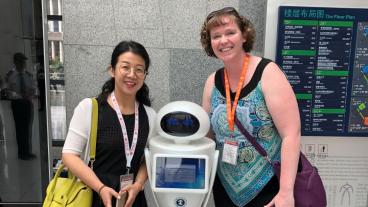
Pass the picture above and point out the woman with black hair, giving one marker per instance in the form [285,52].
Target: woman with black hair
[125,122]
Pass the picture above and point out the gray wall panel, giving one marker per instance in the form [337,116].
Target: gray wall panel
[157,24]
[147,37]
[139,21]
[216,4]
[85,73]
[181,22]
[255,11]
[158,78]
[137,14]
[89,22]
[189,71]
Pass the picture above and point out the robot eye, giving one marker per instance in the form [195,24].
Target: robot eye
[179,124]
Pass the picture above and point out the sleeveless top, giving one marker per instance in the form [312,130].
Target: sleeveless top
[245,180]
[110,153]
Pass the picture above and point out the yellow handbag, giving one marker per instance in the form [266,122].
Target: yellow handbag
[70,191]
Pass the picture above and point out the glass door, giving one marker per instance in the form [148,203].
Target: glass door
[24,168]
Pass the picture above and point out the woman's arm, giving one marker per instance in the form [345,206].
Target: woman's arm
[206,98]
[76,165]
[75,144]
[138,184]
[282,105]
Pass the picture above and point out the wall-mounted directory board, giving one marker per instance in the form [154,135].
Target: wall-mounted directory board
[324,53]
[322,46]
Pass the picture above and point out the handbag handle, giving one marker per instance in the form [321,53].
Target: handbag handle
[252,140]
[57,174]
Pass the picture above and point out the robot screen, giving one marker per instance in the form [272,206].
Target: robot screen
[180,124]
[180,172]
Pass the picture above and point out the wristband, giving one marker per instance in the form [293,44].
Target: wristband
[99,190]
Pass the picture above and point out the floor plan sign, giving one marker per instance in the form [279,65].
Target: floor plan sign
[324,53]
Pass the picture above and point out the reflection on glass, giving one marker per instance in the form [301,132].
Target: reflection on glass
[57,91]
[54,7]
[23,169]
[56,71]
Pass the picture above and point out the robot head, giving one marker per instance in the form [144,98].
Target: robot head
[182,121]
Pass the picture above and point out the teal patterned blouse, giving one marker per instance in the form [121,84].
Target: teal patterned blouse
[245,180]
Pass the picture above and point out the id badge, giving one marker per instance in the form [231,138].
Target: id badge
[126,180]
[230,151]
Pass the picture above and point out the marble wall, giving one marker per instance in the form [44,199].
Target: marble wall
[168,29]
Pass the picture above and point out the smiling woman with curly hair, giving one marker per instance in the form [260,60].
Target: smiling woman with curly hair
[256,91]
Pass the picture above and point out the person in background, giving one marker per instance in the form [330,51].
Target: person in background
[22,89]
[124,125]
[257,92]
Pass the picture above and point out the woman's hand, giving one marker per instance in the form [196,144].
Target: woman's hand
[133,191]
[106,193]
[282,200]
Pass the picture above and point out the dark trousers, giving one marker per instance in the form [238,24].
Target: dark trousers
[23,118]
[263,198]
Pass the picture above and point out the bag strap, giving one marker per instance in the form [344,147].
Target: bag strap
[252,140]
[93,133]
[263,152]
[92,136]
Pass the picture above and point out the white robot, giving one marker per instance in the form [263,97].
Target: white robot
[181,161]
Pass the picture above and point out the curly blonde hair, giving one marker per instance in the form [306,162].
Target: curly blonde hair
[216,18]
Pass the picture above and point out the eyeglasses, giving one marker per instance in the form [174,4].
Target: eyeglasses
[139,72]
[221,11]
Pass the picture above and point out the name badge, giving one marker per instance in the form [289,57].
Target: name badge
[126,180]
[230,152]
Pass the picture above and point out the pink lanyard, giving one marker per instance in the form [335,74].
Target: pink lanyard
[129,152]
